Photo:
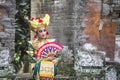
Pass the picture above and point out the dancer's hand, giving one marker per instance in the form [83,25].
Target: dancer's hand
[55,61]
[50,58]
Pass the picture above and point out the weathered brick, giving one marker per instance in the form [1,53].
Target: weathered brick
[3,12]
[1,28]
[7,35]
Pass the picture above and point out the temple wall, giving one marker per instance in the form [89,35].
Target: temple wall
[7,36]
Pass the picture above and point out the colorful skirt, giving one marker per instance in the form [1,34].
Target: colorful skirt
[44,69]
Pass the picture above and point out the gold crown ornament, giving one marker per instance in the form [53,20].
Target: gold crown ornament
[37,23]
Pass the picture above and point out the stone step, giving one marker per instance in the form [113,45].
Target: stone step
[27,76]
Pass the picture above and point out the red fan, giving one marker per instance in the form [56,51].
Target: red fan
[47,49]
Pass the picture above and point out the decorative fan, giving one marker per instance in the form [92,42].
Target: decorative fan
[49,49]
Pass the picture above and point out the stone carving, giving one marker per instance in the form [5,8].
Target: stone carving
[5,67]
[88,60]
[4,58]
[106,9]
[111,73]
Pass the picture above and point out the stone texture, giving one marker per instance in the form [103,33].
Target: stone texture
[6,68]
[117,49]
[3,12]
[65,18]
[91,21]
[107,35]
[1,28]
[78,24]
[65,21]
[66,60]
[112,71]
[7,35]
[89,58]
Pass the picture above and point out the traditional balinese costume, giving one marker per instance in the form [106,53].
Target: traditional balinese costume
[40,50]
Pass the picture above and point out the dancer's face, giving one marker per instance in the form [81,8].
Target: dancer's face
[42,33]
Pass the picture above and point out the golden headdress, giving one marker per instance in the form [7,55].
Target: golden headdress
[37,23]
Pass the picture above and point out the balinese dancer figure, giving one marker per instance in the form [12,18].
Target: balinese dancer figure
[46,52]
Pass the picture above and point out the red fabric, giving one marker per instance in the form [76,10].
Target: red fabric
[32,19]
[47,33]
[40,20]
[35,36]
[48,14]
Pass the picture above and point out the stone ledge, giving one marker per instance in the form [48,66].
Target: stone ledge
[28,76]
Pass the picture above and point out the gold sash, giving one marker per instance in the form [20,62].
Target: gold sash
[46,69]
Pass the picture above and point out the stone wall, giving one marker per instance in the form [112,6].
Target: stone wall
[66,16]
[77,25]
[7,35]
[65,23]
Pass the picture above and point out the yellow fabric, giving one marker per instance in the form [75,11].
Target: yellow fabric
[35,24]
[30,52]
[36,43]
[46,19]
[46,69]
